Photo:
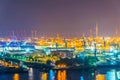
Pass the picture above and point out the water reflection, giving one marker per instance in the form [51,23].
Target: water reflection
[118,74]
[16,76]
[100,77]
[44,76]
[30,74]
[52,75]
[81,78]
[61,75]
[111,74]
[100,74]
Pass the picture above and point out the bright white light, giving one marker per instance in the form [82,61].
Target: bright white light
[115,51]
[92,48]
[27,50]
[111,49]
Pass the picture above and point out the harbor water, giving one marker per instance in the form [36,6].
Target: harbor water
[35,74]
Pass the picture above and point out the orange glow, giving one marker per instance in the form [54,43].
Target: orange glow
[100,77]
[61,65]
[16,77]
[61,75]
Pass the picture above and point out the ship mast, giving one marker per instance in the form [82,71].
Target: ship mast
[32,34]
[13,36]
[117,42]
[96,30]
[84,40]
[91,33]
[116,33]
[35,33]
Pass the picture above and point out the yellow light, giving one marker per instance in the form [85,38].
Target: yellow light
[44,76]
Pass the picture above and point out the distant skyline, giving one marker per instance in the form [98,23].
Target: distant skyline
[69,18]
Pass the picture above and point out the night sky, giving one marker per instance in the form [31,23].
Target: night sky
[69,18]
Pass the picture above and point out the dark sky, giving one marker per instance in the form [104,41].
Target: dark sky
[66,17]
